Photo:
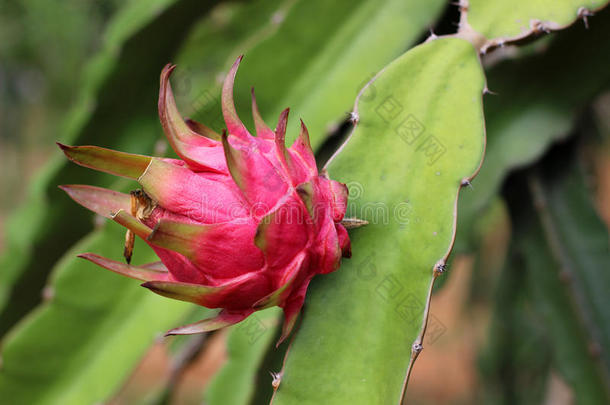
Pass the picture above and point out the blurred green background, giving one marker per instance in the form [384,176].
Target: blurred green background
[506,325]
[44,49]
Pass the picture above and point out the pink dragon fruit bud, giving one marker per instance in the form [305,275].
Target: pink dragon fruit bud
[240,223]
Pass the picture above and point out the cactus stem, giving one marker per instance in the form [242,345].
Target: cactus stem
[566,273]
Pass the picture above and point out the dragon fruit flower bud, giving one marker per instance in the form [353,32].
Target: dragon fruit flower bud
[240,223]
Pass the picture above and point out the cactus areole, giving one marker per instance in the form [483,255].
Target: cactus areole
[240,223]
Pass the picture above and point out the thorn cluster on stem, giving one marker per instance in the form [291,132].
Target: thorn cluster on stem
[417,348]
[277,378]
[354,117]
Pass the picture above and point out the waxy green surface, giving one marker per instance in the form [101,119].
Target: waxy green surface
[420,134]
[510,20]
